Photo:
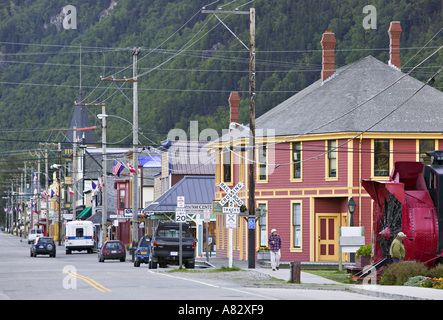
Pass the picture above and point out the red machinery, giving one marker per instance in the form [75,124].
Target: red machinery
[404,204]
[411,202]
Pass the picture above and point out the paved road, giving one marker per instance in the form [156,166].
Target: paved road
[81,276]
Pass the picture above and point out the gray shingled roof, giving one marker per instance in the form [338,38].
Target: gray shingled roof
[195,189]
[328,107]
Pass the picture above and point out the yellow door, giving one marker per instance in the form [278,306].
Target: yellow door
[327,237]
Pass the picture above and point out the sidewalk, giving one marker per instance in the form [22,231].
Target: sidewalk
[311,281]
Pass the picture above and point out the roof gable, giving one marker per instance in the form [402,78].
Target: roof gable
[356,100]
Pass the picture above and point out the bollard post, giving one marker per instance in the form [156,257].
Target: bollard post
[295,271]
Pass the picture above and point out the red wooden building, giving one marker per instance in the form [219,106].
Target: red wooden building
[316,147]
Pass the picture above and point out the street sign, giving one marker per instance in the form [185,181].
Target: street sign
[231,210]
[231,221]
[231,195]
[180,201]
[180,215]
[251,223]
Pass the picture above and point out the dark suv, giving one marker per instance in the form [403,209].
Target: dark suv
[43,245]
[165,246]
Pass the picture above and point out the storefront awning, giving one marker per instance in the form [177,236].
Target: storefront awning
[86,213]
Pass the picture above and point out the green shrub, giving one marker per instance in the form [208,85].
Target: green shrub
[415,281]
[436,272]
[399,273]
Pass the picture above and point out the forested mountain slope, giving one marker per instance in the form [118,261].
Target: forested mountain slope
[189,62]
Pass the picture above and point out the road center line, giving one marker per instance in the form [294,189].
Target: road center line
[90,281]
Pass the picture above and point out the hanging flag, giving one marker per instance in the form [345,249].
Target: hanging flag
[131,168]
[52,193]
[71,191]
[100,183]
[117,169]
[94,186]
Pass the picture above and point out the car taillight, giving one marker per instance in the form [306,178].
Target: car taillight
[105,251]
[193,244]
[154,244]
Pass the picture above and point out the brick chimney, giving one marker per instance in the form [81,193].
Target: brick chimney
[394,44]
[234,101]
[328,62]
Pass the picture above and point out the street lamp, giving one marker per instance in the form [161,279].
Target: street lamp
[351,208]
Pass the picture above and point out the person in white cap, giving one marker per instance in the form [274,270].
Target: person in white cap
[397,249]
[274,242]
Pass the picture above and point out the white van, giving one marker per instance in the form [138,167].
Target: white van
[34,233]
[79,236]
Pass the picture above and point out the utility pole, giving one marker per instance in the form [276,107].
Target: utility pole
[135,54]
[104,187]
[60,194]
[47,194]
[251,171]
[251,232]
[74,174]
[47,182]
[38,191]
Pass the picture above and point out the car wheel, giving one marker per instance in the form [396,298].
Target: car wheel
[122,259]
[152,264]
[136,263]
[190,264]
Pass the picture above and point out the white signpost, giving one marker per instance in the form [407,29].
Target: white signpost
[231,211]
[180,216]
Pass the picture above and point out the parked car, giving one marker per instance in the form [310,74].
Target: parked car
[142,251]
[112,249]
[33,233]
[165,246]
[43,245]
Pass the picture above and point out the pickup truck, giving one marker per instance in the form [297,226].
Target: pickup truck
[165,246]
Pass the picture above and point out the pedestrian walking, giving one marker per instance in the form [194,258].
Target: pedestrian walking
[274,242]
[397,249]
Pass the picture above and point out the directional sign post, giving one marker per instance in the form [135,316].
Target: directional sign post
[180,217]
[231,211]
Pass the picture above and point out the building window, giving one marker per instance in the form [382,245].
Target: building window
[296,225]
[68,166]
[262,225]
[227,167]
[296,160]
[423,147]
[121,198]
[332,158]
[262,174]
[381,157]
